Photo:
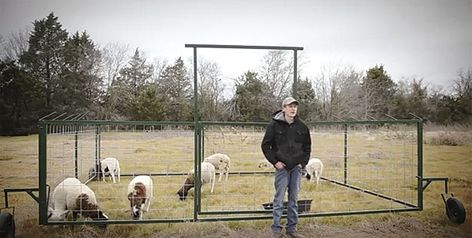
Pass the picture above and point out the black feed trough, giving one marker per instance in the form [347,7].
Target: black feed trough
[303,206]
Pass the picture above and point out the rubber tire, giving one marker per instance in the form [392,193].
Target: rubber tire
[7,225]
[455,211]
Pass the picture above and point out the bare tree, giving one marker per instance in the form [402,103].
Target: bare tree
[159,66]
[210,89]
[15,45]
[462,85]
[114,57]
[277,72]
[338,92]
[462,88]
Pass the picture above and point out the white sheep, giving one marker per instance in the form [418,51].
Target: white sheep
[314,169]
[110,166]
[72,195]
[140,193]
[207,176]
[221,163]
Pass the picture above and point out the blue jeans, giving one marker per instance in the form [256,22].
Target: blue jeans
[286,179]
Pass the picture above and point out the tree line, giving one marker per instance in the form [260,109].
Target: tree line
[47,69]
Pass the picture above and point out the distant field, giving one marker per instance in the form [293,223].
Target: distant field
[382,161]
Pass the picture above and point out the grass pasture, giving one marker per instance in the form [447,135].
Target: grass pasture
[382,160]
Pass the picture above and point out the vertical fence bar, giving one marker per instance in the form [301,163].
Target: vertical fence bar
[99,129]
[96,145]
[295,85]
[345,153]
[76,151]
[97,151]
[197,148]
[42,150]
[419,127]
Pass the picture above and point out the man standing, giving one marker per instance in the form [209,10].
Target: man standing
[287,145]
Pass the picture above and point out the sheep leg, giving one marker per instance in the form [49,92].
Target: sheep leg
[103,174]
[319,174]
[221,176]
[118,173]
[113,176]
[147,204]
[227,173]
[212,183]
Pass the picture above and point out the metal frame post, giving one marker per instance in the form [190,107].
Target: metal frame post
[345,153]
[43,201]
[419,127]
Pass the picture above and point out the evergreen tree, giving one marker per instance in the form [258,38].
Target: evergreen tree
[44,59]
[129,85]
[309,107]
[80,85]
[149,106]
[251,101]
[378,90]
[19,100]
[175,90]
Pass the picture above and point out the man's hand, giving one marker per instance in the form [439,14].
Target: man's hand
[280,165]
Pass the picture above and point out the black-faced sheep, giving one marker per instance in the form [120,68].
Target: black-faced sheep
[221,163]
[108,166]
[72,195]
[314,169]
[140,192]
[207,176]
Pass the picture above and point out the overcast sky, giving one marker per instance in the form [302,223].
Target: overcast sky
[429,39]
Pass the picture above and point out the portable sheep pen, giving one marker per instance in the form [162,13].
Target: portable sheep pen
[370,166]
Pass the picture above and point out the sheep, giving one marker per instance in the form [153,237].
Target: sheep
[221,163]
[110,166]
[140,193]
[314,168]
[72,195]
[207,176]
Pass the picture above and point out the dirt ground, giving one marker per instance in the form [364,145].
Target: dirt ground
[391,228]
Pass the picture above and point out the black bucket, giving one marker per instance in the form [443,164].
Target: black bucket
[303,206]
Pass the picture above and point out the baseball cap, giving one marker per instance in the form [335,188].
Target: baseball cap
[289,100]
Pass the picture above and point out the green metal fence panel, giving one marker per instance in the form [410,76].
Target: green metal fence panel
[369,167]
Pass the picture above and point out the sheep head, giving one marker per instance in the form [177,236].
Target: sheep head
[57,215]
[137,200]
[183,191]
[87,208]
[306,174]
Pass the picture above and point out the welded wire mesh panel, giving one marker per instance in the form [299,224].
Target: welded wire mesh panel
[248,185]
[71,150]
[366,168]
[163,152]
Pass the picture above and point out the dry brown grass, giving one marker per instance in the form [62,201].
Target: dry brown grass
[371,156]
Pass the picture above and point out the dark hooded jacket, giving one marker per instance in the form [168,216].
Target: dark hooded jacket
[288,143]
